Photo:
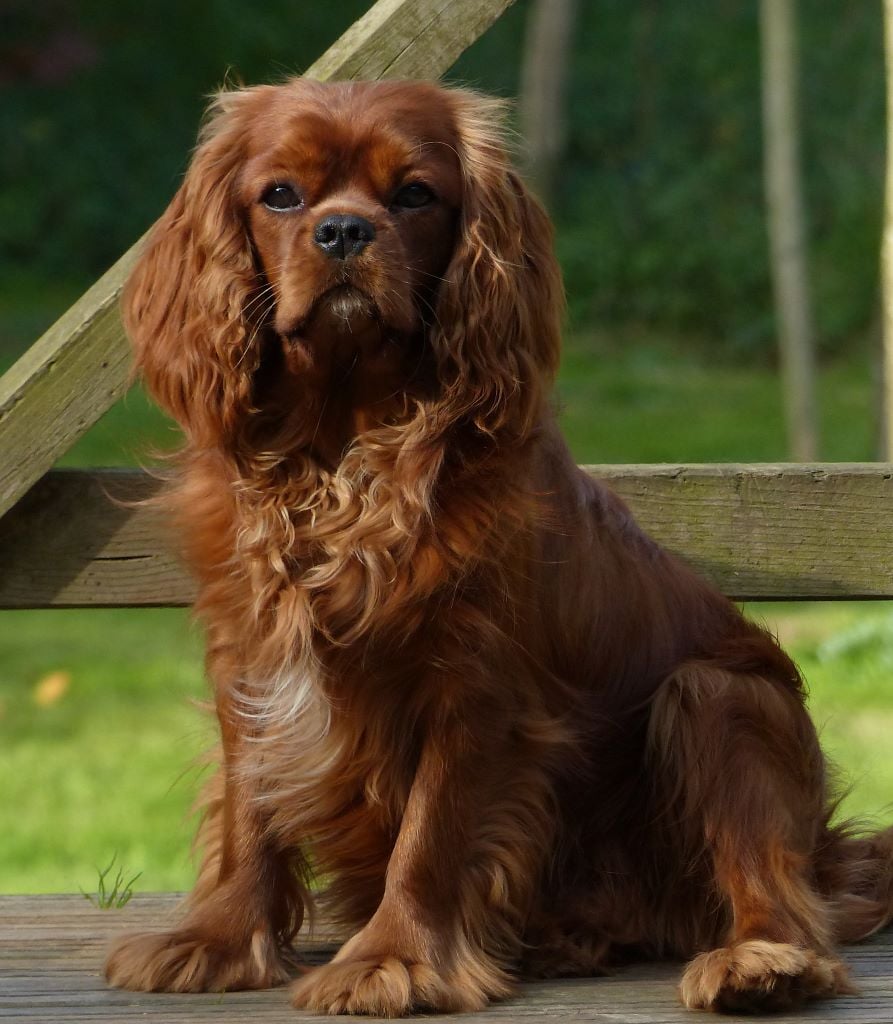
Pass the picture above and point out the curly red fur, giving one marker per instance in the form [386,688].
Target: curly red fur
[454,680]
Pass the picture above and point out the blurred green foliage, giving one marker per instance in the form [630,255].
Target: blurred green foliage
[662,216]
[660,201]
[100,108]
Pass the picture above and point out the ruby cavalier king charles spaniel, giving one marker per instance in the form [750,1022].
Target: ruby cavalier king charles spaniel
[466,706]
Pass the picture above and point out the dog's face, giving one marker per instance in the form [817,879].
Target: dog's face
[351,197]
[339,257]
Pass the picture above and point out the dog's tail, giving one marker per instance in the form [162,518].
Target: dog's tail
[855,870]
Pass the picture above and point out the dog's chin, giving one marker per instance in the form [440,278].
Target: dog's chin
[347,324]
[344,310]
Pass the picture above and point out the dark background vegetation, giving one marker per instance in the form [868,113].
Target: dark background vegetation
[659,205]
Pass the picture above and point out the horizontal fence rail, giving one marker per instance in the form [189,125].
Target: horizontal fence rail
[765,532]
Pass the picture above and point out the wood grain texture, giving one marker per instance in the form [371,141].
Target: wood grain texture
[759,532]
[407,39]
[51,952]
[63,384]
[765,531]
[80,367]
[87,539]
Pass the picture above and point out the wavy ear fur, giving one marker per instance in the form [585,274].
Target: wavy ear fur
[500,307]
[185,306]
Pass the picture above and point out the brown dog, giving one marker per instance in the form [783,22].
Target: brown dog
[454,680]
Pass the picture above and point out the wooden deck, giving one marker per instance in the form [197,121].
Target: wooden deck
[51,951]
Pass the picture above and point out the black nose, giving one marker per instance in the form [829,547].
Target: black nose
[343,235]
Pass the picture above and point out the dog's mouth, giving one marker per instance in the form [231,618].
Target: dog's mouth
[348,304]
[346,325]
[340,310]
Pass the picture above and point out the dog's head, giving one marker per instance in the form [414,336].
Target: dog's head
[342,256]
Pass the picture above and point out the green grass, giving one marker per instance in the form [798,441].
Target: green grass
[128,435]
[630,399]
[99,760]
[113,891]
[845,651]
[107,767]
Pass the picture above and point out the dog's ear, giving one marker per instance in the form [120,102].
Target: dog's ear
[186,304]
[501,305]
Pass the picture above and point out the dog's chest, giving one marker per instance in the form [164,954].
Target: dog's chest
[319,761]
[336,567]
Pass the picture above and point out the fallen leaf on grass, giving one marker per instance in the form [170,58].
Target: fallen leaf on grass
[51,689]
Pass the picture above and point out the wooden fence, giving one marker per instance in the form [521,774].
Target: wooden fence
[759,532]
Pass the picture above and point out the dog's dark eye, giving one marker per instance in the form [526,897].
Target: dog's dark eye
[412,196]
[281,197]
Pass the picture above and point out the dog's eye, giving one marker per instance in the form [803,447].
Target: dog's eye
[281,197]
[412,196]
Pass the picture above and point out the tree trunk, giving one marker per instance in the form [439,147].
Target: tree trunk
[786,225]
[544,75]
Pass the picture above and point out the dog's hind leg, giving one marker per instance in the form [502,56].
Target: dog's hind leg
[737,767]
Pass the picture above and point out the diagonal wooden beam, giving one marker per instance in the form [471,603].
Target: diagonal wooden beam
[408,39]
[79,368]
[63,384]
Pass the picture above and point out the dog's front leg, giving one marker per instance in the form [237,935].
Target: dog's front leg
[248,901]
[476,827]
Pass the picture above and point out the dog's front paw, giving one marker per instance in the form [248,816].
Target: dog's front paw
[186,961]
[758,976]
[381,987]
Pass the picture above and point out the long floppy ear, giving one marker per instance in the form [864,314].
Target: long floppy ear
[185,304]
[501,305]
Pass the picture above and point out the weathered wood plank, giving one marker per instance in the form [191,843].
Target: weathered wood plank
[771,531]
[63,384]
[408,39]
[759,532]
[79,368]
[51,951]
[69,542]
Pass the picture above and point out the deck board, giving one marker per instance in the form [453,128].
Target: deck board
[51,951]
